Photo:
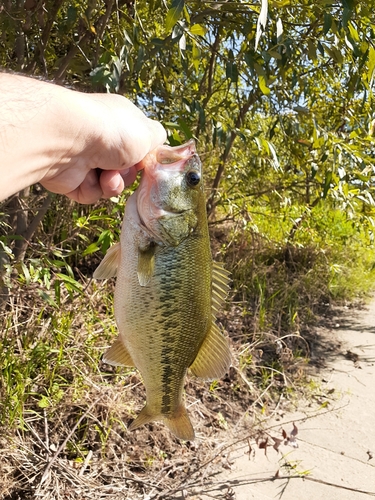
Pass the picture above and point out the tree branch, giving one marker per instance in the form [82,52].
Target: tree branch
[211,204]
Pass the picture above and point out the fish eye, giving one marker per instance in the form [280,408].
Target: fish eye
[193,178]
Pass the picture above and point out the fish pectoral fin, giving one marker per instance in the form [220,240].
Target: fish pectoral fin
[179,423]
[118,355]
[108,266]
[146,263]
[213,358]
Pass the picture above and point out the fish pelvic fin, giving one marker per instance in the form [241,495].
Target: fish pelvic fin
[213,358]
[118,355]
[108,266]
[179,423]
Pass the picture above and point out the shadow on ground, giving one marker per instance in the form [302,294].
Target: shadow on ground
[325,346]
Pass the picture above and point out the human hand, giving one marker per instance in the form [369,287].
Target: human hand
[116,136]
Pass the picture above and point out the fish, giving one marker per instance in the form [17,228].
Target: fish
[168,288]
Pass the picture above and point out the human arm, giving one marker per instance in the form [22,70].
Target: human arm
[59,137]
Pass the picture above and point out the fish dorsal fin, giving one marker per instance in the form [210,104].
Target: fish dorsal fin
[146,263]
[220,286]
[213,358]
[108,266]
[118,355]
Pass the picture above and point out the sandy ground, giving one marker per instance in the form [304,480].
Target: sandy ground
[335,457]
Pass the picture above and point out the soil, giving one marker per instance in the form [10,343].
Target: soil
[325,449]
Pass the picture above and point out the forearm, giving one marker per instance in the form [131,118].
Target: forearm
[35,132]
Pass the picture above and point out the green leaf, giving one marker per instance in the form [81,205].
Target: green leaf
[186,14]
[202,118]
[353,32]
[197,29]
[70,283]
[232,71]
[171,125]
[249,59]
[158,42]
[274,54]
[140,58]
[44,402]
[311,50]
[327,183]
[174,14]
[371,64]
[175,139]
[321,48]
[346,15]
[105,240]
[90,249]
[71,17]
[327,23]
[263,85]
[196,56]
[185,128]
[47,298]
[26,273]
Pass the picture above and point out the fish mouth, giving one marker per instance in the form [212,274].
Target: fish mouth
[167,155]
[175,157]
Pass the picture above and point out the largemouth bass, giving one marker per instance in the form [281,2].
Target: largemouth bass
[168,288]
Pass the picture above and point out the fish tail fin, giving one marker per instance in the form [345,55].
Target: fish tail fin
[179,423]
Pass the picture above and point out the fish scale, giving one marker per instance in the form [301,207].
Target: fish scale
[168,288]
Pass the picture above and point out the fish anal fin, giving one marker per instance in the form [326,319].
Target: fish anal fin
[179,423]
[220,285]
[146,264]
[118,355]
[213,358]
[108,266]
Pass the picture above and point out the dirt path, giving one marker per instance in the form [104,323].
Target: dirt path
[336,438]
